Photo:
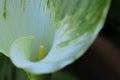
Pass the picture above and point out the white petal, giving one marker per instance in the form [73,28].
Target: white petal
[77,27]
[19,18]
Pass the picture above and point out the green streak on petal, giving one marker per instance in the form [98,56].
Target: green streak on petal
[79,17]
[4,14]
[24,5]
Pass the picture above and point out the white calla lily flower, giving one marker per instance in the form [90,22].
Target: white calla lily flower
[43,36]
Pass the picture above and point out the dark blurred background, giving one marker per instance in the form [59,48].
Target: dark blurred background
[102,60]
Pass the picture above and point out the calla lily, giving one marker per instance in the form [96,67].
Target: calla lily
[43,36]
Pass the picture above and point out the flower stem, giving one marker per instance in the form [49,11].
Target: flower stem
[39,77]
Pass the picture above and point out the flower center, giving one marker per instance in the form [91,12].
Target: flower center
[42,52]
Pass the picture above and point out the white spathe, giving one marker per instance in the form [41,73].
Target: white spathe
[65,29]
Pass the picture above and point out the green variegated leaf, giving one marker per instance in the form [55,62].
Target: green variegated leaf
[64,28]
